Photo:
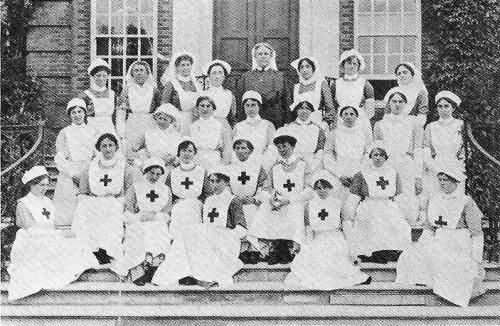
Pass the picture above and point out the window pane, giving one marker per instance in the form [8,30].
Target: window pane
[146,46]
[102,46]
[146,6]
[132,25]
[102,6]
[379,24]
[116,6]
[410,23]
[364,44]
[116,46]
[379,45]
[380,5]
[368,62]
[410,58]
[410,5]
[133,6]
[101,24]
[147,25]
[150,63]
[394,60]
[365,5]
[394,24]
[394,5]
[116,25]
[378,64]
[117,67]
[132,45]
[409,44]
[394,44]
[130,61]
[365,24]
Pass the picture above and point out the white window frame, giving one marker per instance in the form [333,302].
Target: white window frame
[124,56]
[390,74]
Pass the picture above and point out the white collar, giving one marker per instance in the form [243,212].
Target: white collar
[259,68]
[303,123]
[96,88]
[255,120]
[351,77]
[187,166]
[185,79]
[289,160]
[446,122]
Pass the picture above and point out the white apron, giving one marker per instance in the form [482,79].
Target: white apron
[187,101]
[41,257]
[206,134]
[307,141]
[313,97]
[139,119]
[103,108]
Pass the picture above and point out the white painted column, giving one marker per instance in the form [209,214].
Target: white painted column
[192,30]
[319,33]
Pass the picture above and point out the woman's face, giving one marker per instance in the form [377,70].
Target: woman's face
[351,66]
[154,174]
[77,115]
[41,187]
[263,56]
[444,108]
[163,120]
[303,114]
[378,157]
[206,109]
[242,151]
[184,68]
[446,184]
[187,154]
[139,73]
[349,117]
[285,150]
[397,104]
[306,70]
[404,75]
[251,108]
[216,76]
[322,190]
[100,78]
[107,148]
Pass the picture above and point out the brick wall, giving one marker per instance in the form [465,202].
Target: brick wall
[164,32]
[81,45]
[346,36]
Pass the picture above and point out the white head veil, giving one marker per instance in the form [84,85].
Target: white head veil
[272,62]
[139,96]
[416,84]
[170,74]
[316,74]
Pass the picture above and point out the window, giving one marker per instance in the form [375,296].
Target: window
[123,31]
[387,32]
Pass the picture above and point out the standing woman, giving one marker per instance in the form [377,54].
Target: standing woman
[74,151]
[312,87]
[217,71]
[443,143]
[212,139]
[99,214]
[411,84]
[41,257]
[180,87]
[352,90]
[100,100]
[265,79]
[138,99]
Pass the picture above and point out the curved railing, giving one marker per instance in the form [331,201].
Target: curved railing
[483,181]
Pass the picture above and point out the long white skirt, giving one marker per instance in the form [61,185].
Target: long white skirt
[325,264]
[379,225]
[442,262]
[185,213]
[285,224]
[208,158]
[65,195]
[407,201]
[204,252]
[45,260]
[143,237]
[98,222]
[136,125]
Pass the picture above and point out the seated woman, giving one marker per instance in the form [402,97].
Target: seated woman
[147,203]
[449,253]
[208,133]
[312,87]
[41,257]
[247,181]
[207,254]
[402,136]
[74,151]
[379,232]
[279,221]
[186,182]
[225,102]
[138,99]
[324,261]
[162,140]
[345,149]
[310,137]
[98,218]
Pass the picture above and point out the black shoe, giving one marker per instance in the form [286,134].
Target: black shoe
[273,259]
[263,259]
[102,256]
[189,280]
[368,281]
[253,257]
[245,257]
[365,259]
[286,258]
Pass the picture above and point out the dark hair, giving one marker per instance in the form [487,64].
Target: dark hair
[247,99]
[206,98]
[382,151]
[453,104]
[99,68]
[222,176]
[403,96]
[149,168]
[406,66]
[304,105]
[184,57]
[452,179]
[184,145]
[142,63]
[347,108]
[309,61]
[106,136]
[84,110]
[322,182]
[217,64]
[350,59]
[243,141]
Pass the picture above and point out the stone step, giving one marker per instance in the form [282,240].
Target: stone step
[270,293]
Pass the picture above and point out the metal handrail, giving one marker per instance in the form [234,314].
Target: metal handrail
[479,147]
[38,141]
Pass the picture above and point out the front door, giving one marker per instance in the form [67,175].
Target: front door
[239,24]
